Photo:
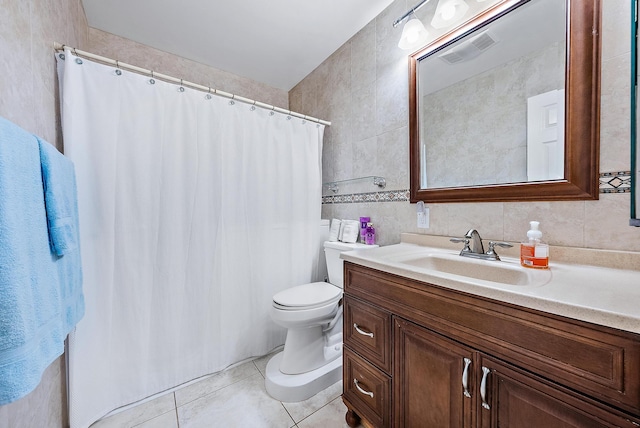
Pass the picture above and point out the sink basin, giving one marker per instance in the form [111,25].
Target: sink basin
[493,271]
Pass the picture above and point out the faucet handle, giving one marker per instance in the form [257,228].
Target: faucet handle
[466,241]
[492,253]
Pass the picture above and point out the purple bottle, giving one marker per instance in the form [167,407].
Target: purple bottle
[370,235]
[363,227]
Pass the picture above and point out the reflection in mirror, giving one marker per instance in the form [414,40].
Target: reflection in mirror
[506,107]
[492,103]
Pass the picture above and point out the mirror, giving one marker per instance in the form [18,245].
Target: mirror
[506,107]
[635,149]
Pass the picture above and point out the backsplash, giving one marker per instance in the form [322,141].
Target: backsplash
[353,198]
[615,182]
[610,182]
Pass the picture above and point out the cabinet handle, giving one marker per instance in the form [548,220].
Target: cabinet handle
[370,394]
[362,332]
[483,387]
[465,377]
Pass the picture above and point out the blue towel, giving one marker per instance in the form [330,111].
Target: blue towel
[61,206]
[36,286]
[58,176]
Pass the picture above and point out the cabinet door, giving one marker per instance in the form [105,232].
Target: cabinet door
[429,371]
[518,399]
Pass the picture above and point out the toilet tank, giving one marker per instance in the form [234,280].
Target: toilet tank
[332,252]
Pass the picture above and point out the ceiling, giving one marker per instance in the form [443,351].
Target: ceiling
[276,42]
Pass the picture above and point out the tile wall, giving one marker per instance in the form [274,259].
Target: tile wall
[362,89]
[28,97]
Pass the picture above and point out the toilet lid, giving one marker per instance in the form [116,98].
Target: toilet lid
[308,295]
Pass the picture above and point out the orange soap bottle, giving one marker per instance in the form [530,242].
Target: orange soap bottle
[533,252]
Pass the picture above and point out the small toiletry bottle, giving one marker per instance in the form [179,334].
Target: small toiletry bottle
[533,252]
[363,228]
[370,235]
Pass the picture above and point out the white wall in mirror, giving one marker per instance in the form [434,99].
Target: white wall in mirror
[473,114]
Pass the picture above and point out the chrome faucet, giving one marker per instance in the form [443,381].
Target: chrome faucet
[476,241]
[476,250]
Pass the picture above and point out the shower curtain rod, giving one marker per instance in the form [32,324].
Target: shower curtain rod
[60,47]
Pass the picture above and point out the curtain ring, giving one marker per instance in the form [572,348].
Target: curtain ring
[181,89]
[253,106]
[208,96]
[152,80]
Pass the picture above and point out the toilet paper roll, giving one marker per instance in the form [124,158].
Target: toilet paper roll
[343,223]
[350,231]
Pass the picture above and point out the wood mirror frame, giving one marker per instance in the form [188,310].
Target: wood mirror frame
[582,119]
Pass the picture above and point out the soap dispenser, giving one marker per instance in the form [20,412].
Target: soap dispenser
[370,235]
[533,252]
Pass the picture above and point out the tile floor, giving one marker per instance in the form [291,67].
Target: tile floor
[232,398]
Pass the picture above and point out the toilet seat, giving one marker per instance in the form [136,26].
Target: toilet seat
[307,296]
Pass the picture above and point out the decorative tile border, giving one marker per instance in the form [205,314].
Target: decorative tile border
[610,182]
[615,182]
[354,198]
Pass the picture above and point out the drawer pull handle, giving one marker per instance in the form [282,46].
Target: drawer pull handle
[362,332]
[370,394]
[465,377]
[483,387]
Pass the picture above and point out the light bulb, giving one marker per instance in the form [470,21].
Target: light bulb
[414,35]
[448,11]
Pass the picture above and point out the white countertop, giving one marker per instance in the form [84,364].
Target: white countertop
[607,294]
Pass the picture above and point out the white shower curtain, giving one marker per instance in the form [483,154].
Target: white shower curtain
[194,211]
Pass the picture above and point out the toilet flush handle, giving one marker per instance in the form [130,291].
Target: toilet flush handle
[362,332]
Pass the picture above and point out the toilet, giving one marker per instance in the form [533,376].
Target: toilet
[312,313]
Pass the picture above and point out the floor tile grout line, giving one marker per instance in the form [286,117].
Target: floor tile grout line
[295,423]
[175,405]
[257,368]
[310,414]
[219,389]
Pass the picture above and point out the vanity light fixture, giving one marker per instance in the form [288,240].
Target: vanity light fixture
[414,35]
[448,12]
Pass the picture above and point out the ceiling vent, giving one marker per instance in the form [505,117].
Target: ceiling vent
[469,49]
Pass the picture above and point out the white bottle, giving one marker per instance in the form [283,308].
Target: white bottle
[533,252]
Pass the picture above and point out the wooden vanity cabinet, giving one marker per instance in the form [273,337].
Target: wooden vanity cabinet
[449,359]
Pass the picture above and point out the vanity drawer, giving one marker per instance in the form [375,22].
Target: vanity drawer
[367,388]
[367,330]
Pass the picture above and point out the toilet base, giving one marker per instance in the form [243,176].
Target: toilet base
[299,387]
